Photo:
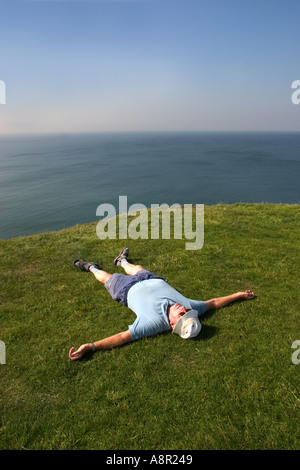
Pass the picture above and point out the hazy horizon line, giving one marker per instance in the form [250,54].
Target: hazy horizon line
[147,131]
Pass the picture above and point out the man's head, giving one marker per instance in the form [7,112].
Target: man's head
[184,322]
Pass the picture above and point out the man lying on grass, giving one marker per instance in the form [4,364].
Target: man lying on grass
[158,307]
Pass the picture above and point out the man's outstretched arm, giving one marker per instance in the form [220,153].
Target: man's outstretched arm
[108,343]
[221,302]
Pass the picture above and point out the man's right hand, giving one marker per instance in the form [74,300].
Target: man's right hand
[107,343]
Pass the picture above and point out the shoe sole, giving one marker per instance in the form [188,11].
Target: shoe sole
[85,265]
[123,254]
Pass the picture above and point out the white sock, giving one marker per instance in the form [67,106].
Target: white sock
[93,269]
[123,262]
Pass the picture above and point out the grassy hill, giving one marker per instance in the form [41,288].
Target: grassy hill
[233,387]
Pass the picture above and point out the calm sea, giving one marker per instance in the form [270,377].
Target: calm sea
[56,181]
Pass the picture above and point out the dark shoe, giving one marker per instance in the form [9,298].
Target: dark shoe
[85,265]
[122,255]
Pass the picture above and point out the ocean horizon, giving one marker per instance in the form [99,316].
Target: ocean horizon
[55,181]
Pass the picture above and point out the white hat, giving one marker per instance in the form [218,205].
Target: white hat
[188,325]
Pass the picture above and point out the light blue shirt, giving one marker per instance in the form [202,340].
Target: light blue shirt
[149,300]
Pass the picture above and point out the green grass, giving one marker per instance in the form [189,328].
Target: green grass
[233,387]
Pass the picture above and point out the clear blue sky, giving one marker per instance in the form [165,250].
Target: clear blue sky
[108,65]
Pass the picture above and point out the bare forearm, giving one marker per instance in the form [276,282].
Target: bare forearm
[113,341]
[108,343]
[221,302]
